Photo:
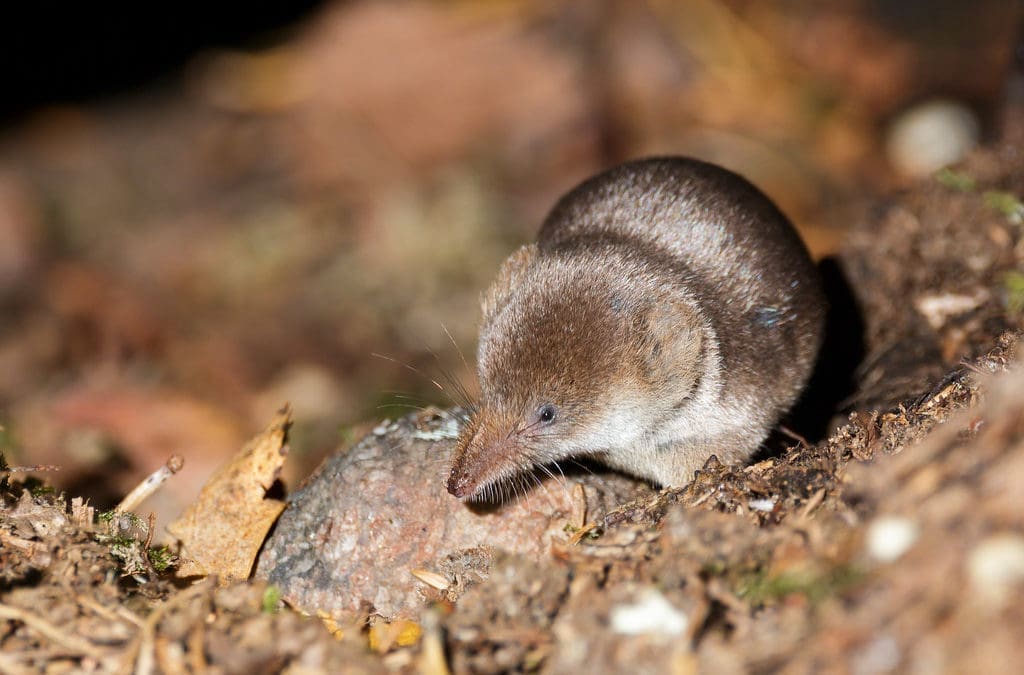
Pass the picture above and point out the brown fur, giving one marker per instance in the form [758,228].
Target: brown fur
[667,312]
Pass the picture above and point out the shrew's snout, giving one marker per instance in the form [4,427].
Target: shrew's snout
[459,483]
[480,456]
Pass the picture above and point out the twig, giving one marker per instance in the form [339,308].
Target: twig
[151,483]
[143,651]
[584,531]
[33,467]
[108,613]
[196,647]
[149,533]
[27,545]
[703,498]
[9,665]
[432,659]
[814,502]
[794,435]
[49,631]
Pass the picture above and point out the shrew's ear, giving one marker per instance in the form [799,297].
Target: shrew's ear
[673,348]
[509,276]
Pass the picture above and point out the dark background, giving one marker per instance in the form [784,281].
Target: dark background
[212,209]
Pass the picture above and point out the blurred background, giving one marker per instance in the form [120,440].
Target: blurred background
[209,213]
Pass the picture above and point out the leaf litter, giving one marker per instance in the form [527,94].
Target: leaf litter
[895,543]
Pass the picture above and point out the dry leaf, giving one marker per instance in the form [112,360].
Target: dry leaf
[222,532]
[384,637]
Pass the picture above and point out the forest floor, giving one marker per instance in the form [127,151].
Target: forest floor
[177,264]
[894,544]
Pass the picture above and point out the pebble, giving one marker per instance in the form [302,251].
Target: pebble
[652,613]
[889,537]
[996,566]
[765,504]
[931,135]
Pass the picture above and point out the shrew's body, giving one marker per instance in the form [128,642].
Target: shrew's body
[667,312]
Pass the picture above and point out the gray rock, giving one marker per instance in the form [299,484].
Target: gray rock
[355,531]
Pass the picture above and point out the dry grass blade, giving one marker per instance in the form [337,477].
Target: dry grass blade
[432,660]
[432,579]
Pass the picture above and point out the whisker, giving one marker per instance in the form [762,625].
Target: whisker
[401,394]
[465,364]
[555,479]
[455,392]
[542,486]
[461,397]
[411,368]
[406,406]
[456,345]
[557,466]
[547,471]
[526,490]
[583,466]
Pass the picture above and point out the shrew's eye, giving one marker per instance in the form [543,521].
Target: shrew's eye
[546,413]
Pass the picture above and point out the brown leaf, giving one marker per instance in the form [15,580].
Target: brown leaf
[223,530]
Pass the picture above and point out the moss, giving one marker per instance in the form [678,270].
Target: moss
[956,180]
[5,484]
[126,538]
[6,443]
[759,588]
[161,558]
[1013,284]
[346,434]
[115,541]
[40,489]
[271,599]
[132,519]
[1005,203]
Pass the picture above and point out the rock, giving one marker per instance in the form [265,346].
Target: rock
[931,135]
[367,525]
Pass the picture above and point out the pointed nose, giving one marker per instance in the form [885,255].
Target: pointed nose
[458,483]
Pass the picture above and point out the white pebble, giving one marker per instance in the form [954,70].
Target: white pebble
[931,135]
[766,504]
[650,614]
[996,565]
[889,537]
[937,309]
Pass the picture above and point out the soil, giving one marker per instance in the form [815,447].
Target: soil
[893,544]
[177,263]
